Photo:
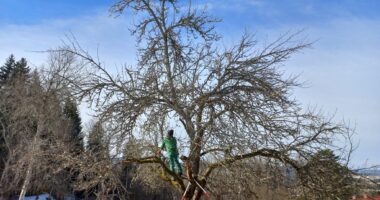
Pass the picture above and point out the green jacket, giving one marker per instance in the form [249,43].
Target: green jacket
[169,145]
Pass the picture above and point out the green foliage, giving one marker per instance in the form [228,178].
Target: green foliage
[96,141]
[325,178]
[13,68]
[71,112]
[7,68]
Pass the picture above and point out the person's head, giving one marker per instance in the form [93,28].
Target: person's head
[170,133]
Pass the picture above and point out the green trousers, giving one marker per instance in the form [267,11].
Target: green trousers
[173,161]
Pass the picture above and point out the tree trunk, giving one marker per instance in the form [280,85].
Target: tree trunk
[195,158]
[195,152]
[35,148]
[26,181]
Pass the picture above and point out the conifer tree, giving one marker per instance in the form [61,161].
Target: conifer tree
[21,67]
[71,112]
[9,70]
[96,141]
[13,68]
[324,177]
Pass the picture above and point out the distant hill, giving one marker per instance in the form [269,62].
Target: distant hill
[368,172]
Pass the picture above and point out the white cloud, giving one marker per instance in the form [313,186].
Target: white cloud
[342,72]
[342,68]
[109,35]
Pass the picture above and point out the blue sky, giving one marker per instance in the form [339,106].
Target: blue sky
[37,11]
[341,69]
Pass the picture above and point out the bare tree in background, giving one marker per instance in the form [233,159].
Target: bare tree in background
[37,132]
[233,104]
[96,173]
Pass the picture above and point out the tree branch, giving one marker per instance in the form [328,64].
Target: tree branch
[155,159]
[269,153]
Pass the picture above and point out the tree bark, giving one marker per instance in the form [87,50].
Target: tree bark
[26,181]
[195,158]
[35,148]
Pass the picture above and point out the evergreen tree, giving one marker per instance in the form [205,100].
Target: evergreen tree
[21,67]
[71,112]
[13,68]
[325,178]
[7,68]
[96,141]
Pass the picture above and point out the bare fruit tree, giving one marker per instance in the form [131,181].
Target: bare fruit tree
[233,104]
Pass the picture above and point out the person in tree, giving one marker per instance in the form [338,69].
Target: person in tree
[170,146]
